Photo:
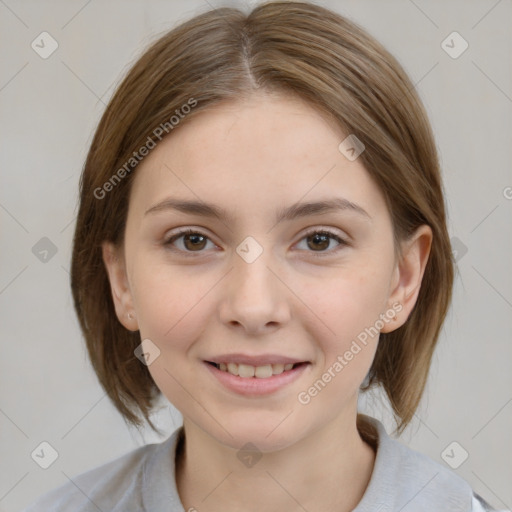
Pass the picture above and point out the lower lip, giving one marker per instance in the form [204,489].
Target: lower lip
[253,386]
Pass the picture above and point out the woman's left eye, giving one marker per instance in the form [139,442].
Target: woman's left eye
[195,241]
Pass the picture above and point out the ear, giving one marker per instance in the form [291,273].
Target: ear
[408,275]
[113,259]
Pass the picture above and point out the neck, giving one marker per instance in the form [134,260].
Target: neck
[328,470]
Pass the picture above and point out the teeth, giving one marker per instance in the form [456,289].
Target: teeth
[261,372]
[277,369]
[244,370]
[233,368]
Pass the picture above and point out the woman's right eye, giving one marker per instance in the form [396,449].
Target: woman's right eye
[193,241]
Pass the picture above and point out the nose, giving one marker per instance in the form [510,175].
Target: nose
[255,297]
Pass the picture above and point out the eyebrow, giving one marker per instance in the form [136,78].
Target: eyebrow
[292,212]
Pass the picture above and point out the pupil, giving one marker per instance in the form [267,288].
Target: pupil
[325,243]
[194,239]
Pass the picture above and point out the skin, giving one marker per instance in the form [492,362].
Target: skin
[254,157]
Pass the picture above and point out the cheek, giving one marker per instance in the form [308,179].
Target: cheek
[172,311]
[343,327]
[169,304]
[349,304]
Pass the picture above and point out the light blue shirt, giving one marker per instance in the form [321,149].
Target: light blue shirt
[143,480]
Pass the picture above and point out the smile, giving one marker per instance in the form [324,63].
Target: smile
[247,380]
[247,371]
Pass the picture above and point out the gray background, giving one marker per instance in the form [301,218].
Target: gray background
[49,109]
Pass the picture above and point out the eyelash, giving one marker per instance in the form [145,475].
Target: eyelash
[331,234]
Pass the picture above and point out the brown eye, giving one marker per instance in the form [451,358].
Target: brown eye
[193,241]
[318,242]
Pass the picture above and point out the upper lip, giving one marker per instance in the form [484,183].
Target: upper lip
[257,360]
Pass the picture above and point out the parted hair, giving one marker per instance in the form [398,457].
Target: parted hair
[226,54]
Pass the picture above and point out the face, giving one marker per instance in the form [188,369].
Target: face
[255,286]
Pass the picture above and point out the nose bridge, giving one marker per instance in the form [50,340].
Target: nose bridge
[255,296]
[253,275]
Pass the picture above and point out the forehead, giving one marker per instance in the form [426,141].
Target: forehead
[252,155]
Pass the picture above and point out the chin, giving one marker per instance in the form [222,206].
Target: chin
[267,435]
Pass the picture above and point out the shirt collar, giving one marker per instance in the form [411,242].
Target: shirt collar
[402,479]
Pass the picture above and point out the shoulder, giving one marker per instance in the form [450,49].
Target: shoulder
[405,479]
[113,486]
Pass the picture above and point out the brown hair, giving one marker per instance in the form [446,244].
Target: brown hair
[225,54]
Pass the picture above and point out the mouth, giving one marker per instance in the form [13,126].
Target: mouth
[256,381]
[247,371]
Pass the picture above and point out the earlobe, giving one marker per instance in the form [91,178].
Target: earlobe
[121,294]
[409,275]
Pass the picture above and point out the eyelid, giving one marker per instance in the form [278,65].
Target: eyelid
[329,230]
